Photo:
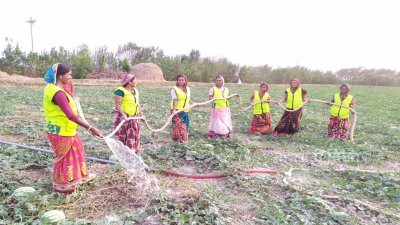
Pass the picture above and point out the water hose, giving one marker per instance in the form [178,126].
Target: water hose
[170,172]
[52,152]
[241,107]
[191,176]
[353,124]
[167,172]
[217,176]
[194,176]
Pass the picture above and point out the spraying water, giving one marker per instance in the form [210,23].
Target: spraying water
[134,166]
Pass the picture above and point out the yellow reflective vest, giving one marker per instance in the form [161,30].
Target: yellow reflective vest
[130,102]
[294,100]
[338,111]
[222,103]
[183,99]
[56,120]
[261,107]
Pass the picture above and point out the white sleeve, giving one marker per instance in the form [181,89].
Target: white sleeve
[211,92]
[173,95]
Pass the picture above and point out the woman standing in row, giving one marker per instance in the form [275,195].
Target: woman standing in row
[294,98]
[261,122]
[61,125]
[339,120]
[180,94]
[126,99]
[220,114]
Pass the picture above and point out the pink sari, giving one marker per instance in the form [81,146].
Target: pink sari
[220,123]
[69,167]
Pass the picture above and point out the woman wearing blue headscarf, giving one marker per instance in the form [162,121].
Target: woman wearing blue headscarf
[61,125]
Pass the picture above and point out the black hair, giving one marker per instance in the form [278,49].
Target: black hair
[63,69]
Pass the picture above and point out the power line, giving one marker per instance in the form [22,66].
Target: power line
[31,22]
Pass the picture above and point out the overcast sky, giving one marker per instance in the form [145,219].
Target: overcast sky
[318,34]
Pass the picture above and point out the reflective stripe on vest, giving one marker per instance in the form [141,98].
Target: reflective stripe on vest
[222,103]
[183,98]
[294,100]
[56,120]
[130,102]
[263,107]
[338,110]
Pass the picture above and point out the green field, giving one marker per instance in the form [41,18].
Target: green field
[368,171]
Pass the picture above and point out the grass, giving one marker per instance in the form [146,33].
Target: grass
[238,199]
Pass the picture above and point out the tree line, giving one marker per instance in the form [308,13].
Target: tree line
[198,69]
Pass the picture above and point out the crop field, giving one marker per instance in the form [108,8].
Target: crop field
[363,177]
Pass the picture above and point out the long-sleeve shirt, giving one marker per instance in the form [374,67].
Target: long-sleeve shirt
[61,100]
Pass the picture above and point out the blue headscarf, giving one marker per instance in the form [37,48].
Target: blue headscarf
[51,74]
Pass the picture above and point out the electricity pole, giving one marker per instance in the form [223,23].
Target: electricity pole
[31,22]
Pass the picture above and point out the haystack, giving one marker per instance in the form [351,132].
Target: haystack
[147,71]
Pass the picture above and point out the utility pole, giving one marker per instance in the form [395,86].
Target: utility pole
[31,22]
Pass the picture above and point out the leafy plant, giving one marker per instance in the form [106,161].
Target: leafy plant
[82,63]
[125,65]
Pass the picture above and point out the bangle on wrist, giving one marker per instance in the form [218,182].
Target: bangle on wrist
[90,127]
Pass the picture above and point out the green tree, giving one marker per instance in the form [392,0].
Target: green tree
[32,63]
[194,55]
[167,65]
[125,65]
[82,63]
[13,60]
[225,68]
[255,74]
[100,58]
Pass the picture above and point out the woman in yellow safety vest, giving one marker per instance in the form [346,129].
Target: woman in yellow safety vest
[294,98]
[126,99]
[339,120]
[220,114]
[61,125]
[261,122]
[180,94]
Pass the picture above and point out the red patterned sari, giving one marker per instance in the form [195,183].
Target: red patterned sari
[337,128]
[69,167]
[261,124]
[289,123]
[180,127]
[129,133]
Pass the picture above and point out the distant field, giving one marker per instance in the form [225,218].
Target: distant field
[326,166]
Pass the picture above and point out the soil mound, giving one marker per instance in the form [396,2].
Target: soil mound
[16,79]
